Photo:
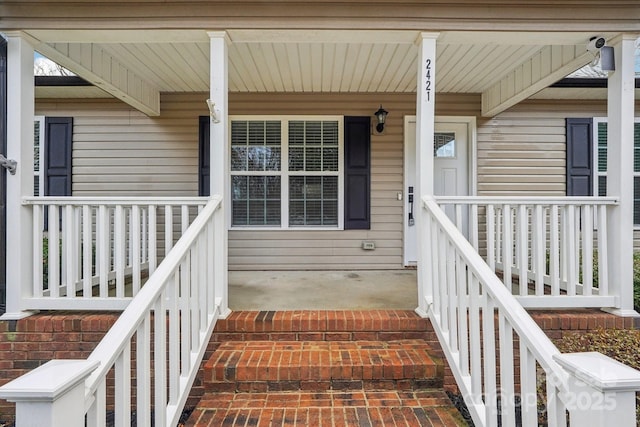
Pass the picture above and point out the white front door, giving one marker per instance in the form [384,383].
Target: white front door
[451,173]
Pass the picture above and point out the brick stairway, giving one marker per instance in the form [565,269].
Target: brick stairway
[323,368]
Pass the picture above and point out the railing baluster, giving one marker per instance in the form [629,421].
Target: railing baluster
[451,291]
[473,227]
[463,303]
[522,232]
[68,245]
[54,252]
[87,252]
[143,370]
[119,249]
[587,250]
[122,413]
[489,352]
[184,217]
[435,270]
[571,250]
[153,244]
[474,336]
[603,253]
[491,237]
[174,337]
[160,359]
[185,314]
[539,245]
[443,282]
[194,296]
[507,387]
[135,242]
[528,386]
[102,250]
[168,229]
[554,252]
[38,256]
[507,246]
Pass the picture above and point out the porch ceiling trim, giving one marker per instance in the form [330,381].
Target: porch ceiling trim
[545,67]
[94,64]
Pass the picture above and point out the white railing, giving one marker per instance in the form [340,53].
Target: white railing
[550,252]
[505,366]
[105,248]
[148,360]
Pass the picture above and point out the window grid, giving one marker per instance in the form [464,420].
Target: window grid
[320,159]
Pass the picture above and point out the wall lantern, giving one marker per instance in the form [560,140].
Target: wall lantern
[381,115]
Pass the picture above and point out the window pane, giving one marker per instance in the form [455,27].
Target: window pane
[313,200]
[602,186]
[444,144]
[256,200]
[313,146]
[602,147]
[255,145]
[636,200]
[636,147]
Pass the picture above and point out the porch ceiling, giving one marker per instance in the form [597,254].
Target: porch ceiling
[312,61]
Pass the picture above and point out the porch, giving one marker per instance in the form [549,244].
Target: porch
[551,252]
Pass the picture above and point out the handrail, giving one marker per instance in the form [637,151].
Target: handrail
[126,325]
[526,199]
[554,248]
[168,324]
[461,295]
[520,320]
[106,247]
[95,200]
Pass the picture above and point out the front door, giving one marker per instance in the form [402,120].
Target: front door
[451,176]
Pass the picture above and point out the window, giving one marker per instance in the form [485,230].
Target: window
[600,160]
[286,172]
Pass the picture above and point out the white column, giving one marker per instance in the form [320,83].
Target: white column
[620,174]
[219,171]
[20,116]
[425,124]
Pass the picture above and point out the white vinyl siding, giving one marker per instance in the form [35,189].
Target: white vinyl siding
[286,171]
[600,164]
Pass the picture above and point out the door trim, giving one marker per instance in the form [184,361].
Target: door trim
[472,154]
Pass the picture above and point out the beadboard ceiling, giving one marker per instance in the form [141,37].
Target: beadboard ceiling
[297,61]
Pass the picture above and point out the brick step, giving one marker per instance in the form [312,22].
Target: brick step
[331,408]
[330,325]
[321,365]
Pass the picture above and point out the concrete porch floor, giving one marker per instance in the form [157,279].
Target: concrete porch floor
[323,290]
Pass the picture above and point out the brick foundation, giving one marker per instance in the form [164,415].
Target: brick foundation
[28,343]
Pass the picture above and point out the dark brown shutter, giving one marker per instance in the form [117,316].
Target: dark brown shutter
[357,176]
[579,157]
[204,157]
[57,160]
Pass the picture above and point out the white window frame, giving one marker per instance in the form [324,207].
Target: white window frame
[284,174]
[39,174]
[596,172]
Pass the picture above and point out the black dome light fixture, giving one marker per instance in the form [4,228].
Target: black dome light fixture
[381,115]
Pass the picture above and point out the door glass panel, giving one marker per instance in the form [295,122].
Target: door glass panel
[444,144]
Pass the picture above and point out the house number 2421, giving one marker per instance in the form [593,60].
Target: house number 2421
[427,83]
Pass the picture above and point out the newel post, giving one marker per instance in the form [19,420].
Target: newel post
[602,391]
[52,395]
